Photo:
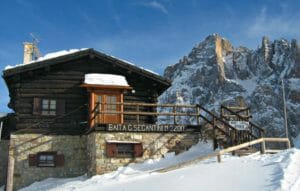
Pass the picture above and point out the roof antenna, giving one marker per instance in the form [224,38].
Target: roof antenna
[36,51]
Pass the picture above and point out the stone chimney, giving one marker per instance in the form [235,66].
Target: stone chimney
[28,52]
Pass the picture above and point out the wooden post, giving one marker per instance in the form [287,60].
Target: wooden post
[219,157]
[288,144]
[214,134]
[174,112]
[263,147]
[138,116]
[198,115]
[10,170]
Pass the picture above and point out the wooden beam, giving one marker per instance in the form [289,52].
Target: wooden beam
[237,147]
[10,172]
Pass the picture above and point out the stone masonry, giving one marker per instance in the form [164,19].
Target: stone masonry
[72,147]
[87,154]
[155,145]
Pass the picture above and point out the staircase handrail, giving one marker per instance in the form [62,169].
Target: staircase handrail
[243,118]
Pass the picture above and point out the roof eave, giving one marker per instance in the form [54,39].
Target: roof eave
[52,61]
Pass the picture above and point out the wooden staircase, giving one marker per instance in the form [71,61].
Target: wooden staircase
[225,135]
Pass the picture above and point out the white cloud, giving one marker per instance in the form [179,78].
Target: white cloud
[156,5]
[279,25]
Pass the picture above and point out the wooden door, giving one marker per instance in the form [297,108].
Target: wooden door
[108,107]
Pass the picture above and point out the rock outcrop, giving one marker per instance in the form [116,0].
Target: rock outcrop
[215,72]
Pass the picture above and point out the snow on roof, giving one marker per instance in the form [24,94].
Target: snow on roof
[3,115]
[127,62]
[105,79]
[47,57]
[71,51]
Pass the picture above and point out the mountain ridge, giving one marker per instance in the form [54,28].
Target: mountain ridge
[215,73]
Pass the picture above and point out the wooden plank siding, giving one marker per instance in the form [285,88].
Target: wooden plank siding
[62,81]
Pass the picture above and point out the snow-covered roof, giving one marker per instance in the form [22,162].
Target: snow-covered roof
[73,54]
[105,79]
[3,115]
[47,57]
[66,52]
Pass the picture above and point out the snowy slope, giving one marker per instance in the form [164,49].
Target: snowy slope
[279,172]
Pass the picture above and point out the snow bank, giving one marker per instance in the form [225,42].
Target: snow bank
[47,57]
[278,172]
[105,79]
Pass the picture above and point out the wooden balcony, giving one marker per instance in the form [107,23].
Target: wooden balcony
[149,117]
[145,117]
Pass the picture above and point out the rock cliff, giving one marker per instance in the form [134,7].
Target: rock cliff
[215,72]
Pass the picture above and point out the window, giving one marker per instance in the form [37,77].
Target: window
[121,150]
[46,159]
[48,107]
[125,150]
[111,103]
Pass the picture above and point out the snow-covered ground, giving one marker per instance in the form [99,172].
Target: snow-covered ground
[278,172]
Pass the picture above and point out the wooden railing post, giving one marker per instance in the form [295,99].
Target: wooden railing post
[138,115]
[219,157]
[263,147]
[174,112]
[214,134]
[198,114]
[288,144]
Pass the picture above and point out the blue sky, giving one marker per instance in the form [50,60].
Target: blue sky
[150,33]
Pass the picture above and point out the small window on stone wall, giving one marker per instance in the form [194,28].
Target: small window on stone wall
[46,159]
[124,150]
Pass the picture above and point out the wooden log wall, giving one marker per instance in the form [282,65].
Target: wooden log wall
[61,81]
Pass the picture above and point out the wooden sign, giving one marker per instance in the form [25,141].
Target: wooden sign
[145,128]
[240,125]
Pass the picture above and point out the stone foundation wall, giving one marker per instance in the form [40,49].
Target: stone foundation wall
[155,145]
[72,147]
[3,160]
[87,154]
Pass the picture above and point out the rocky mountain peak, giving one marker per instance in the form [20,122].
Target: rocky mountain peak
[215,72]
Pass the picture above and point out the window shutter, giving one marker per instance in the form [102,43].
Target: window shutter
[59,160]
[32,159]
[37,106]
[138,150]
[111,149]
[60,107]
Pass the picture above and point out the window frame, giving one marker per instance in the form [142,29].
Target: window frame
[52,107]
[113,149]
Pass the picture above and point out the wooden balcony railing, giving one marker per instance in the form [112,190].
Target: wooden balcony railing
[149,109]
[192,116]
